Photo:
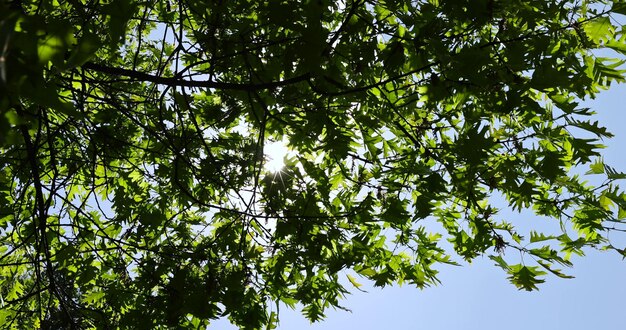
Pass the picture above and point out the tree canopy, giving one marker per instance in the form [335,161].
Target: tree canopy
[133,137]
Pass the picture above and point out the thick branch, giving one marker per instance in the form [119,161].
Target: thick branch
[176,82]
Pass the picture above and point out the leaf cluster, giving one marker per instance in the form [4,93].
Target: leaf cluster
[133,192]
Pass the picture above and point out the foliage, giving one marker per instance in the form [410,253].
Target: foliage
[132,187]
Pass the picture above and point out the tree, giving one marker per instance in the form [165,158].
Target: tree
[132,137]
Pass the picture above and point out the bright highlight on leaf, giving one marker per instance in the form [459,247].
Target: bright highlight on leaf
[353,281]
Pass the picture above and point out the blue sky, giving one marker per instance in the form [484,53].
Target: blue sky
[478,296]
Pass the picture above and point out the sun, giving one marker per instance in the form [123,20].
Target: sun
[275,152]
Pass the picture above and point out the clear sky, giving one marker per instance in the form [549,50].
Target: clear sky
[478,296]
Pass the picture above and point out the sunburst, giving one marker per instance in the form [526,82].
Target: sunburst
[275,152]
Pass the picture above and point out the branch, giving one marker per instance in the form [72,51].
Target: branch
[176,82]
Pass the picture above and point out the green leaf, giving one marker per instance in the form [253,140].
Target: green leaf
[93,297]
[556,272]
[6,314]
[525,278]
[84,51]
[500,262]
[613,174]
[598,29]
[272,323]
[51,48]
[596,167]
[290,302]
[619,7]
[353,281]
[539,237]
[152,218]
[621,213]
[120,12]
